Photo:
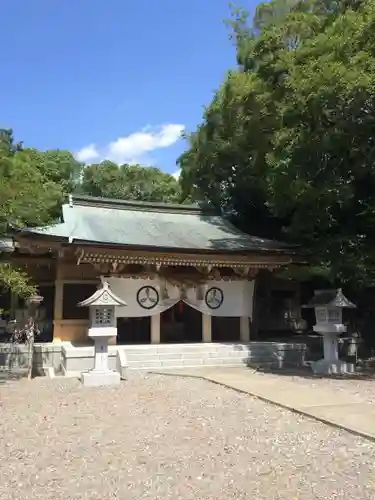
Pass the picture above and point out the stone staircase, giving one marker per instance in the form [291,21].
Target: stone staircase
[169,356]
[185,355]
[77,359]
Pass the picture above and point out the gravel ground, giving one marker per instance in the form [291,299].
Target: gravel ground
[161,437]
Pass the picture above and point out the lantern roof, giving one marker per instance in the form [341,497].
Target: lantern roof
[103,297]
[330,298]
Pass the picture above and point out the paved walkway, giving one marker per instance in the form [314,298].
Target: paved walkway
[341,409]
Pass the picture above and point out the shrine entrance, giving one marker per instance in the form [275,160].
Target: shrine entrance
[133,330]
[181,324]
[226,329]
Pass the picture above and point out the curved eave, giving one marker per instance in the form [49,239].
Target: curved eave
[29,234]
[148,248]
[68,241]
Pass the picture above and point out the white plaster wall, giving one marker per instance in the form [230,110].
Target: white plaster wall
[238,297]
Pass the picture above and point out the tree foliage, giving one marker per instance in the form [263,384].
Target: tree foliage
[287,143]
[57,166]
[27,197]
[129,182]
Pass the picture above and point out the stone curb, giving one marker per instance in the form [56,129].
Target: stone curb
[273,402]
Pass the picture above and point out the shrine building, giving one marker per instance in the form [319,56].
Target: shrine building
[185,273]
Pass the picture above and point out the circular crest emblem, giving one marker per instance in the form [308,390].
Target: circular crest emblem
[148,297]
[214,297]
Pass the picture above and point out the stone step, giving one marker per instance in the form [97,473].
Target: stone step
[203,348]
[178,363]
[186,355]
[184,349]
[207,354]
[186,359]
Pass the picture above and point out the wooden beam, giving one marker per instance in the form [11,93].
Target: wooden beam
[197,260]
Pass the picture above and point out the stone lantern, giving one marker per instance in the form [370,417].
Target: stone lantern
[328,305]
[102,306]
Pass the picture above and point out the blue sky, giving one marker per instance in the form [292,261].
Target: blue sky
[116,78]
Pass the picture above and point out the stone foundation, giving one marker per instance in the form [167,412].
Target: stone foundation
[46,355]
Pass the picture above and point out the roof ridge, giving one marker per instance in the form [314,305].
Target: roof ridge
[148,206]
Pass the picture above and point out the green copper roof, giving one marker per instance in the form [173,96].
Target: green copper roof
[153,225]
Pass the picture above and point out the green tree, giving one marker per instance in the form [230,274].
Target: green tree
[132,182]
[322,171]
[58,166]
[287,141]
[26,198]
[225,162]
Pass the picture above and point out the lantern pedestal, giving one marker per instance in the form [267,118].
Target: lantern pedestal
[331,364]
[101,374]
[100,379]
[325,367]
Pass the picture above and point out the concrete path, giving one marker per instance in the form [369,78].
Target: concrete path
[340,409]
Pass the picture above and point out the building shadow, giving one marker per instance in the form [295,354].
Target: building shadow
[289,360]
[306,372]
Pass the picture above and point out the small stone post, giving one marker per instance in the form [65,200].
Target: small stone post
[102,306]
[328,305]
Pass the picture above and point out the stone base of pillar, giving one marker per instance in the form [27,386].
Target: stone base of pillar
[244,329]
[95,378]
[327,367]
[206,328]
[155,329]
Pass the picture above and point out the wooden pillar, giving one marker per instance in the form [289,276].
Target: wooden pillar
[155,329]
[206,327]
[58,308]
[245,329]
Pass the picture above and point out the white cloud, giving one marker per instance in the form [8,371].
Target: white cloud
[177,174]
[136,147]
[88,153]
